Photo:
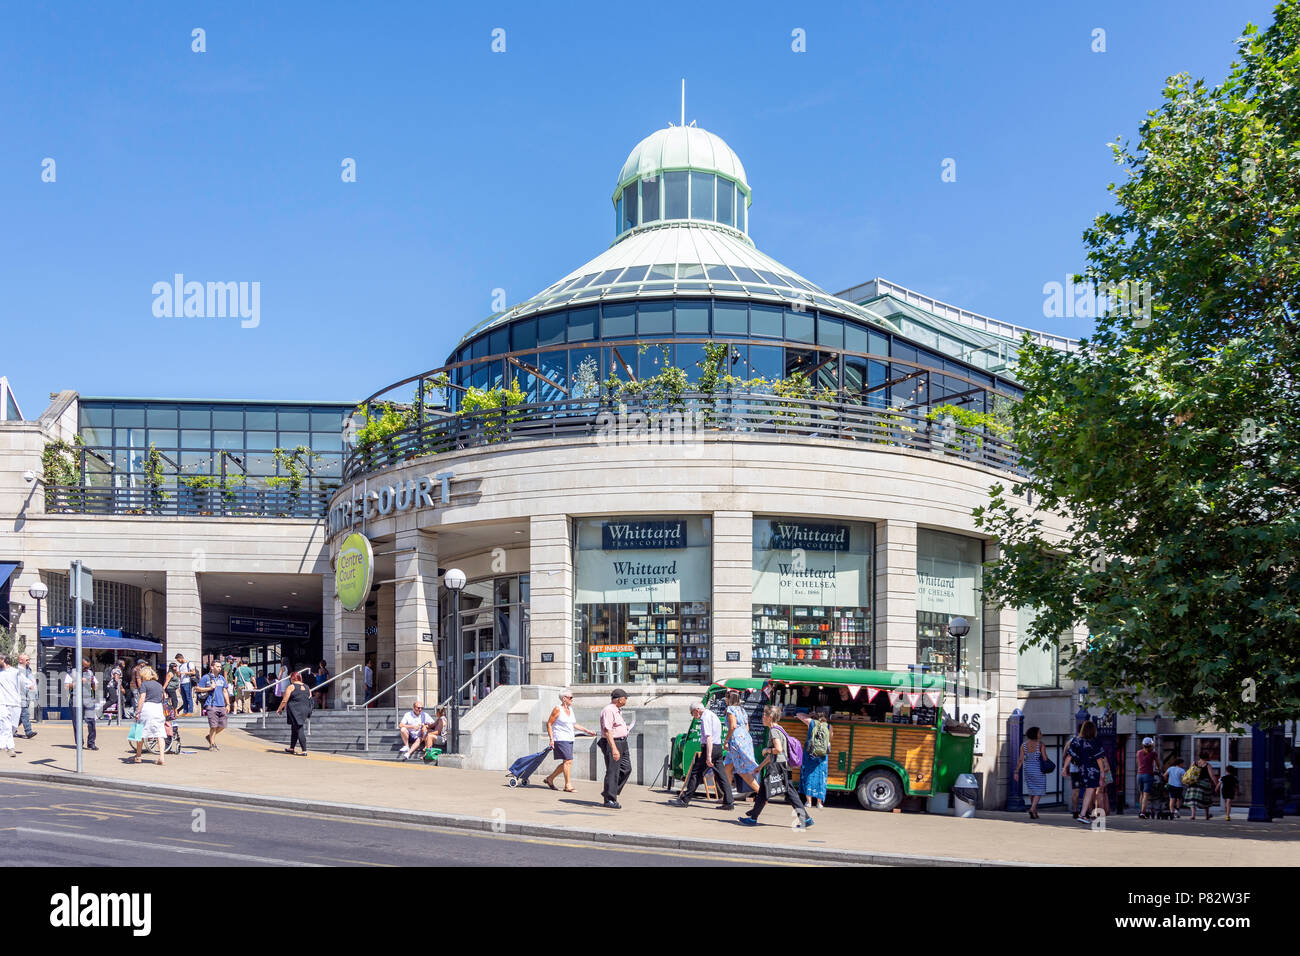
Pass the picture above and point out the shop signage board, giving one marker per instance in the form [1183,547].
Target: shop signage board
[643,535]
[816,578]
[269,628]
[354,571]
[370,502]
[789,535]
[611,651]
[972,712]
[629,577]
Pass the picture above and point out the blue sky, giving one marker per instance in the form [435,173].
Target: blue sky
[479,170]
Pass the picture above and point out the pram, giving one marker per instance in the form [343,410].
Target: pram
[525,767]
[171,732]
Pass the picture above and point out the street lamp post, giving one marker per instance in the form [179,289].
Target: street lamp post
[38,591]
[454,580]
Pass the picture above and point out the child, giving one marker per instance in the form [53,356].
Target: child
[1228,791]
[1174,777]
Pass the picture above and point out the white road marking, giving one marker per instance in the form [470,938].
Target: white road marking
[242,857]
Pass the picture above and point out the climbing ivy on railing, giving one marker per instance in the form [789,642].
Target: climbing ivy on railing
[59,469]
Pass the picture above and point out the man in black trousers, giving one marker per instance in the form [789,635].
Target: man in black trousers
[708,759]
[613,744]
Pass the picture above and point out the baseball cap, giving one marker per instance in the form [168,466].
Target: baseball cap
[1147,740]
[616,693]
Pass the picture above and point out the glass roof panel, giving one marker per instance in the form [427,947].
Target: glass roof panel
[690,270]
[770,278]
[633,273]
[666,270]
[719,272]
[746,275]
[607,276]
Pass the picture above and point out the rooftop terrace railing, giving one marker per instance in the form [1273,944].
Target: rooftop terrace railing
[186,502]
[690,417]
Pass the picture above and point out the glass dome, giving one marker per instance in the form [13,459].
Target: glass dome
[682,173]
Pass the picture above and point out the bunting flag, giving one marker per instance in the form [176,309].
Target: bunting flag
[932,698]
[853,690]
[913,698]
[894,695]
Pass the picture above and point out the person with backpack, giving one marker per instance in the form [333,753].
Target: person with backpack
[775,783]
[816,758]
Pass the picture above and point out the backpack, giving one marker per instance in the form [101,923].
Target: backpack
[821,739]
[793,749]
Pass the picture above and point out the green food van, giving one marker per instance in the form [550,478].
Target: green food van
[882,761]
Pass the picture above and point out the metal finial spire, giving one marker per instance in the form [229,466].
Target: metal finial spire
[683,101]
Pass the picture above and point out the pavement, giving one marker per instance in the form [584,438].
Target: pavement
[249,772]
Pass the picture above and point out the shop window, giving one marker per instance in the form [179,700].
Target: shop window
[812,593]
[1036,667]
[949,580]
[642,600]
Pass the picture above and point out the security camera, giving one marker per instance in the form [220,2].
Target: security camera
[29,476]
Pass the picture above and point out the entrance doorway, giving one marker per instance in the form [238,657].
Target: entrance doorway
[494,621]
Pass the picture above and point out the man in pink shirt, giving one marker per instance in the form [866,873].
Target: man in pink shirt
[613,744]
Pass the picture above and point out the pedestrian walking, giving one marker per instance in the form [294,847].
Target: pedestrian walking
[297,701]
[614,746]
[187,677]
[740,761]
[10,704]
[708,760]
[816,758]
[281,685]
[1228,789]
[369,675]
[1174,783]
[1200,783]
[1034,784]
[88,682]
[217,691]
[27,702]
[171,685]
[562,728]
[150,714]
[1146,776]
[1086,754]
[244,687]
[776,781]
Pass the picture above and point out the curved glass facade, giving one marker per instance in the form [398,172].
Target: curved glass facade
[681,194]
[639,338]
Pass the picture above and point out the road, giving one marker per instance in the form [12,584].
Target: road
[45,824]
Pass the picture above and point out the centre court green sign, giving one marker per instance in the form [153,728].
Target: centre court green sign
[354,571]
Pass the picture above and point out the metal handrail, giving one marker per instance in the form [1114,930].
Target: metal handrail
[262,690]
[473,676]
[365,706]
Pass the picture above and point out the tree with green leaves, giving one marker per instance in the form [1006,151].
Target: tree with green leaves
[1170,441]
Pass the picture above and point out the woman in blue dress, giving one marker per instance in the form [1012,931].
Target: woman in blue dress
[813,770]
[1032,784]
[1086,754]
[740,760]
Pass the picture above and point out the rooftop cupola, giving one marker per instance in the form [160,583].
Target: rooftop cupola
[681,174]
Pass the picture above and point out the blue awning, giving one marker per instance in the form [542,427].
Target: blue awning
[98,638]
[7,568]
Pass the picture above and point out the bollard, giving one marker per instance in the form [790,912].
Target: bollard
[1259,776]
[1015,736]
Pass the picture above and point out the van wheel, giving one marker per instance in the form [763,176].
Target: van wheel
[880,790]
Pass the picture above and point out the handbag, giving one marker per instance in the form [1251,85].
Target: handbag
[136,733]
[1044,761]
[775,784]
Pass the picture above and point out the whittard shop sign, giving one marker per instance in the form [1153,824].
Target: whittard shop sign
[641,535]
